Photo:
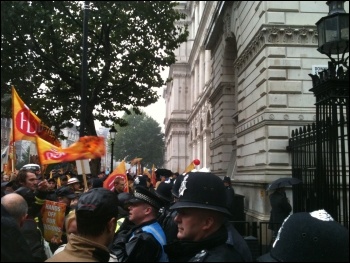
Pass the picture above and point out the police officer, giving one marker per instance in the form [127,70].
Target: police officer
[145,241]
[204,232]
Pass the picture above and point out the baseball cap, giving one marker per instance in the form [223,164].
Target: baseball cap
[142,194]
[202,190]
[97,202]
[309,237]
[66,191]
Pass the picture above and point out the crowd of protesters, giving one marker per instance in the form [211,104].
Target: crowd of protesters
[183,218]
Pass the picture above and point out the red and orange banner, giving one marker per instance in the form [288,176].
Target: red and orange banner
[26,125]
[120,170]
[87,147]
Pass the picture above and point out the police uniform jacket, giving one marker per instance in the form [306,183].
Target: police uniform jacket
[221,246]
[80,249]
[143,243]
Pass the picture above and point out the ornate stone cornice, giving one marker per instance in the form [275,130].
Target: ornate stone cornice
[181,75]
[276,35]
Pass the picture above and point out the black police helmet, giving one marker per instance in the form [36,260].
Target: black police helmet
[202,190]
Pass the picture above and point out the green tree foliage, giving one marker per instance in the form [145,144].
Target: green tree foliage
[129,43]
[142,138]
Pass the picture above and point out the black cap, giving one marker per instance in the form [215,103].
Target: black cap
[96,182]
[98,202]
[66,191]
[164,191]
[227,179]
[143,194]
[124,198]
[202,190]
[309,237]
[64,177]
[163,172]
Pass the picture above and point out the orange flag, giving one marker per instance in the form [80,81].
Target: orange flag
[26,125]
[87,147]
[153,176]
[120,171]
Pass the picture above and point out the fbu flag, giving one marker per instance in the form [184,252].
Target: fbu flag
[27,125]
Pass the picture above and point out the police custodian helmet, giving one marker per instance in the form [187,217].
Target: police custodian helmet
[202,190]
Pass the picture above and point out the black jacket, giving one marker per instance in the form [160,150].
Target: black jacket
[230,198]
[136,245]
[225,245]
[166,220]
[281,208]
[14,247]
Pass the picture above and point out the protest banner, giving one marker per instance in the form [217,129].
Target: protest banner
[53,214]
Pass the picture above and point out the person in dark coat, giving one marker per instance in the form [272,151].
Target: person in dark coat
[280,209]
[14,247]
[204,232]
[230,196]
[166,216]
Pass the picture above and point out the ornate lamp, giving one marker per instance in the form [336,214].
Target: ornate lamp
[333,31]
[112,133]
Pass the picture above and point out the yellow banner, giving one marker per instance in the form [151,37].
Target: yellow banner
[87,147]
[53,214]
[26,125]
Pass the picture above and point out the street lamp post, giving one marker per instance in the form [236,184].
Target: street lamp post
[112,133]
[331,89]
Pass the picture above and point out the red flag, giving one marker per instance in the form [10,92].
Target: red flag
[26,125]
[120,170]
[87,147]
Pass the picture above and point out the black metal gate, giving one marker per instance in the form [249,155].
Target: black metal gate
[320,152]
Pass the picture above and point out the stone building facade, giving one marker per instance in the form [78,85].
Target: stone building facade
[239,87]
